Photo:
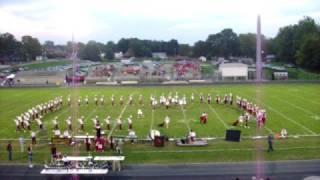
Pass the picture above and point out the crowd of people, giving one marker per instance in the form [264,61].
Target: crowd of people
[182,69]
[250,111]
[102,71]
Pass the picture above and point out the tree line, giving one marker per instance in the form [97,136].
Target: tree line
[297,44]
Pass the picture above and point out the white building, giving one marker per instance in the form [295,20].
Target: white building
[202,59]
[39,58]
[234,71]
[159,55]
[118,55]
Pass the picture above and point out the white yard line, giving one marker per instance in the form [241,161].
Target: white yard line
[152,112]
[91,113]
[210,150]
[221,150]
[270,131]
[28,105]
[121,113]
[298,89]
[61,113]
[185,118]
[303,99]
[208,138]
[284,116]
[297,107]
[152,120]
[16,100]
[215,112]
[218,116]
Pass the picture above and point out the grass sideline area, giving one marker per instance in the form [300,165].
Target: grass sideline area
[291,106]
[46,64]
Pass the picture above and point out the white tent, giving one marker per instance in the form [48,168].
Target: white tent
[11,76]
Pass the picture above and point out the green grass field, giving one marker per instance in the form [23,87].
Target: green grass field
[295,107]
[47,64]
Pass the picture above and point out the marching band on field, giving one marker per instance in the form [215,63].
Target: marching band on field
[36,113]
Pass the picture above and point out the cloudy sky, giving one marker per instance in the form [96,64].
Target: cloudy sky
[184,20]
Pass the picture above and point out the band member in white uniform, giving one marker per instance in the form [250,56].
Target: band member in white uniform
[167,121]
[130,122]
[102,100]
[119,122]
[107,120]
[80,120]
[33,138]
[96,100]
[130,100]
[121,100]
[140,113]
[69,100]
[141,99]
[69,123]
[87,100]
[112,100]
[55,123]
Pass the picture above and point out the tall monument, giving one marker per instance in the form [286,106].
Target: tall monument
[258,52]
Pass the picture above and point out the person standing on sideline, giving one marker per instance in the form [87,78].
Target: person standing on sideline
[21,141]
[30,156]
[88,143]
[119,147]
[9,149]
[270,143]
[33,137]
[53,152]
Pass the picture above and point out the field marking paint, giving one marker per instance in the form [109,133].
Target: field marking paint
[203,150]
[270,131]
[184,115]
[297,107]
[298,89]
[215,112]
[152,111]
[152,119]
[284,116]
[218,116]
[208,138]
[224,149]
[317,118]
[304,99]
[91,113]
[25,106]
[18,99]
[121,113]
[185,118]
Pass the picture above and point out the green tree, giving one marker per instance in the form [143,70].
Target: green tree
[172,47]
[247,45]
[91,51]
[289,39]
[185,50]
[10,48]
[31,47]
[226,44]
[200,48]
[308,55]
[123,45]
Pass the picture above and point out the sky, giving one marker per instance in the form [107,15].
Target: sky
[185,20]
